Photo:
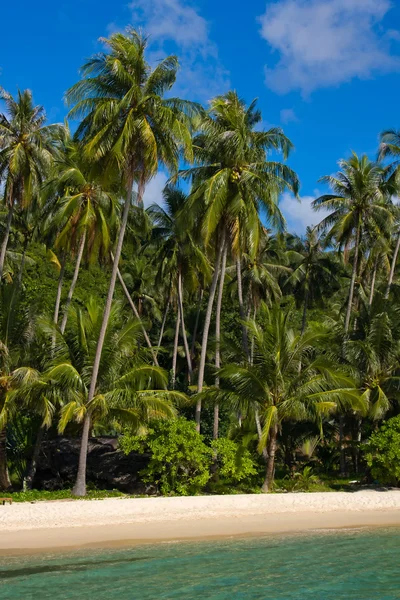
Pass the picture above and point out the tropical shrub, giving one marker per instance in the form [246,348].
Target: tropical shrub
[235,463]
[383,452]
[180,460]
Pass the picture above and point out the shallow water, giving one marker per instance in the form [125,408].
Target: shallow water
[350,564]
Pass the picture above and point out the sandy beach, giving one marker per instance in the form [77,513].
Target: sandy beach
[41,526]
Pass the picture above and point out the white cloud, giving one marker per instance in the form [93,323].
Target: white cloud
[300,214]
[288,116]
[176,21]
[154,189]
[323,43]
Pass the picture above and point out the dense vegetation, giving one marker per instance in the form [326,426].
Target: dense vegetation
[198,332]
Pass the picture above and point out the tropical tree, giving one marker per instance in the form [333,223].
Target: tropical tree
[129,126]
[359,205]
[233,181]
[25,155]
[287,381]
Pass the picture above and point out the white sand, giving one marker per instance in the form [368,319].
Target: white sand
[76,523]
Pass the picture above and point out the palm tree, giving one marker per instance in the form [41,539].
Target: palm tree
[127,125]
[314,269]
[85,211]
[287,381]
[178,254]
[359,205]
[25,155]
[233,181]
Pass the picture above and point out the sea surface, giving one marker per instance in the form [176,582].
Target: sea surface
[346,564]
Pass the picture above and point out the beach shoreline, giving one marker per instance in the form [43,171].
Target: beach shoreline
[29,528]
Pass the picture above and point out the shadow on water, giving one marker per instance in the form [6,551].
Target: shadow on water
[72,567]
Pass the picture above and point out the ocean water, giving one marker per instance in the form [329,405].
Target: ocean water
[350,564]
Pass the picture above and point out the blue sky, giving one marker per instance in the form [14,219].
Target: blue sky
[327,71]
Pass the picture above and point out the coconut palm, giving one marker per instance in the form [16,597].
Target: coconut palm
[178,254]
[26,150]
[127,125]
[232,181]
[360,206]
[286,381]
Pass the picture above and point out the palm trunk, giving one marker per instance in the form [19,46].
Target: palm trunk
[30,475]
[393,267]
[163,325]
[353,280]
[185,341]
[218,335]
[196,324]
[135,312]
[206,328]
[5,482]
[241,307]
[4,243]
[80,484]
[175,352]
[73,282]
[269,476]
[22,265]
[341,446]
[373,280]
[305,307]
[59,289]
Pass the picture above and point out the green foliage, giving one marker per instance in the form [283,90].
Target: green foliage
[235,463]
[383,452]
[180,460]
[37,495]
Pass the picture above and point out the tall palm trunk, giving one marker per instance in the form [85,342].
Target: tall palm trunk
[59,289]
[269,476]
[341,447]
[373,280]
[184,336]
[218,335]
[196,323]
[31,472]
[305,307]
[175,351]
[163,324]
[393,267]
[80,484]
[4,243]
[353,279]
[241,307]
[135,312]
[5,482]
[73,282]
[23,260]
[206,328]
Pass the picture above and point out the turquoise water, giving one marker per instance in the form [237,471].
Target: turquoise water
[361,565]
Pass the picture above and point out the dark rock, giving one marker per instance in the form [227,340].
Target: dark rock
[107,467]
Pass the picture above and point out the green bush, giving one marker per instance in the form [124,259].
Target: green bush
[383,452]
[180,460]
[235,463]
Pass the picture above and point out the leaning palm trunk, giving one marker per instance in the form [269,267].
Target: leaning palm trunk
[206,328]
[269,476]
[73,282]
[175,351]
[31,472]
[353,281]
[241,307]
[184,336]
[163,325]
[218,336]
[196,324]
[59,290]
[393,267]
[80,485]
[5,482]
[135,312]
[373,280]
[4,243]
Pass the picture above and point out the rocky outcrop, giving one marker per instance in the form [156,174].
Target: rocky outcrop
[107,467]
